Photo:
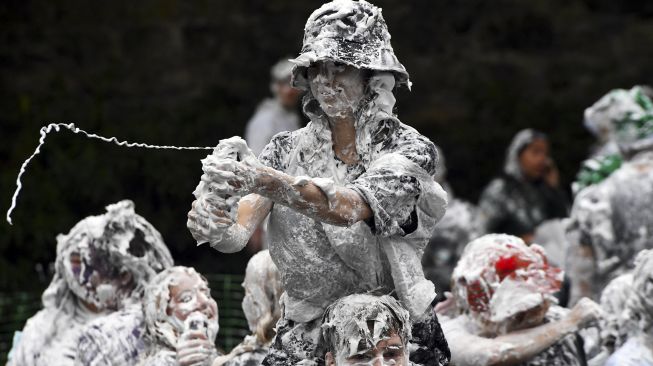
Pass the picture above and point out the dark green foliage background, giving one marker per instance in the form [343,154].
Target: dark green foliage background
[191,73]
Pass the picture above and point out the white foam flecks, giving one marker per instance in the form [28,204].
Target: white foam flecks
[366,320]
[71,126]
[639,308]
[615,217]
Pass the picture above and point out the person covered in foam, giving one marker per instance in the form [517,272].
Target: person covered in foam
[364,329]
[614,216]
[101,269]
[638,349]
[351,196]
[504,291]
[262,310]
[181,319]
[599,117]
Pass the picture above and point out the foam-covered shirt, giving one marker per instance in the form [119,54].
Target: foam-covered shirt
[320,263]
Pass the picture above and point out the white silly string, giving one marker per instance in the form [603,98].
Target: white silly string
[71,126]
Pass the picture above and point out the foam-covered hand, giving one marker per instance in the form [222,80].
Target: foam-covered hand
[585,313]
[209,218]
[195,349]
[229,177]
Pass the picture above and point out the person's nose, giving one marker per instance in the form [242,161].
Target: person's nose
[203,301]
[326,75]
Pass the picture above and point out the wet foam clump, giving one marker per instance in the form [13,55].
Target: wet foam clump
[234,149]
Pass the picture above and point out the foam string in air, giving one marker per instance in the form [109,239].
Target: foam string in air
[71,126]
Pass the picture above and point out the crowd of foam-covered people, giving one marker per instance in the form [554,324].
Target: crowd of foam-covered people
[372,259]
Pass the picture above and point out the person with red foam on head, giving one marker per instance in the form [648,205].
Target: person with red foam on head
[504,290]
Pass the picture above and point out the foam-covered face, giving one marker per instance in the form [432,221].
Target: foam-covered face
[389,351]
[94,278]
[338,88]
[189,293]
[528,318]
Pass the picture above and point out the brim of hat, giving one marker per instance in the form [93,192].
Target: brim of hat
[338,52]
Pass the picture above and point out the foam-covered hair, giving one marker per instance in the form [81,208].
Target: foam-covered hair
[362,319]
[263,282]
[131,242]
[157,296]
[489,267]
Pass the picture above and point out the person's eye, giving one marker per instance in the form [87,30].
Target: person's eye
[390,355]
[186,297]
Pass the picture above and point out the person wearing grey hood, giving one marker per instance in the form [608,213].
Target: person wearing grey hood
[351,196]
[527,193]
[92,312]
[277,114]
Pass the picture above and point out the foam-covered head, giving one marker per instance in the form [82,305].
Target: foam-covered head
[348,32]
[499,278]
[355,324]
[262,292]
[178,300]
[625,116]
[109,258]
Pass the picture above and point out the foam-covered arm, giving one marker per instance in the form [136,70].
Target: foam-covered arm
[515,347]
[511,349]
[318,198]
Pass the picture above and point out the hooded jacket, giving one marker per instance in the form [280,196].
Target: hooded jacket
[513,205]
